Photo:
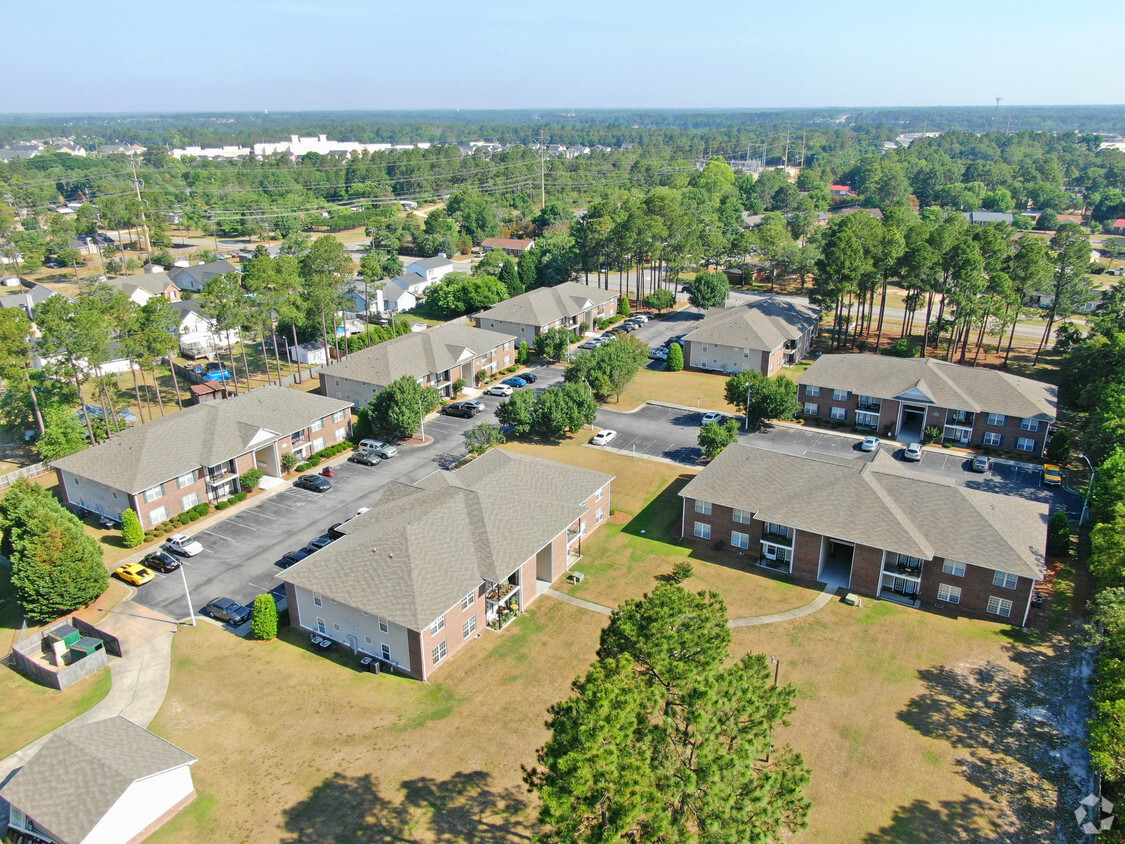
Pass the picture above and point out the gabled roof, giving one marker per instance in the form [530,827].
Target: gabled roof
[154,283]
[507,243]
[197,275]
[205,435]
[764,324]
[392,561]
[879,503]
[416,355]
[546,305]
[81,771]
[935,382]
[429,263]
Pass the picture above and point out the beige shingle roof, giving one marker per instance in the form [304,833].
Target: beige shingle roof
[205,435]
[546,305]
[765,324]
[423,547]
[879,503]
[417,355]
[925,380]
[81,771]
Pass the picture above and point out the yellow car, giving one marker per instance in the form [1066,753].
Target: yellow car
[135,573]
[1052,475]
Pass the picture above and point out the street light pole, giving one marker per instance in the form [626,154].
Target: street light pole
[748,407]
[421,419]
[1089,486]
[187,595]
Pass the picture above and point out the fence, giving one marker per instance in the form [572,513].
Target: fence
[32,471]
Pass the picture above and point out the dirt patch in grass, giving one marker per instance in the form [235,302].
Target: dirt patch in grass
[305,748]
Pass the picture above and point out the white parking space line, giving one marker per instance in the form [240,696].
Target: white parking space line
[242,526]
[258,513]
[216,535]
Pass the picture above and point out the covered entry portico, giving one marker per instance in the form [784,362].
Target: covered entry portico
[836,562]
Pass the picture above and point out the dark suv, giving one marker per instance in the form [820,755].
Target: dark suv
[224,609]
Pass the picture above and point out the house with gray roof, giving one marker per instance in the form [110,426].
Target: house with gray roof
[28,298]
[436,564]
[901,397]
[873,526]
[107,781]
[193,277]
[570,305]
[430,270]
[168,465]
[763,335]
[141,288]
[436,358]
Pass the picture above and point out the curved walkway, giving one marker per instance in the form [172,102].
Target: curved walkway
[818,603]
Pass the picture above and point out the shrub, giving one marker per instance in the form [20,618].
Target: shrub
[202,509]
[150,535]
[193,517]
[239,496]
[623,308]
[681,571]
[263,618]
[523,354]
[902,348]
[1058,533]
[302,467]
[222,505]
[458,386]
[132,534]
[250,478]
[1058,447]
[289,460]
[675,357]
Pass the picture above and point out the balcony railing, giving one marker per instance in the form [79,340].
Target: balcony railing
[778,539]
[903,570]
[869,404]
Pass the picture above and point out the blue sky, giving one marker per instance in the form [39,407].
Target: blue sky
[160,55]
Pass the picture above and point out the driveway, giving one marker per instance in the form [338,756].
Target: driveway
[242,554]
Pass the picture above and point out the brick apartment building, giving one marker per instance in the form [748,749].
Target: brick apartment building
[763,335]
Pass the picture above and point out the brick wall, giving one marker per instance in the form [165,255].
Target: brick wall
[976,588]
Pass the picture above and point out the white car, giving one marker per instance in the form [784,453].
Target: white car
[603,437]
[870,444]
[499,390]
[183,544]
[912,452]
[712,416]
[642,318]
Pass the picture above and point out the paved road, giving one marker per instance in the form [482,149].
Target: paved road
[672,433]
[242,554]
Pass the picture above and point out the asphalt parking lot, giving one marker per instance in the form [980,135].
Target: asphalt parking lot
[672,433]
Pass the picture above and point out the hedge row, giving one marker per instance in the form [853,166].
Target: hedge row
[324,454]
[176,522]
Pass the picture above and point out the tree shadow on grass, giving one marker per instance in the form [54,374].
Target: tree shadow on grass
[462,808]
[922,821]
[660,518]
[1013,734]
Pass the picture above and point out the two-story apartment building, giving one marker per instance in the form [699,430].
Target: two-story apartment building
[764,335]
[901,397]
[169,465]
[435,564]
[569,305]
[872,526]
[437,358]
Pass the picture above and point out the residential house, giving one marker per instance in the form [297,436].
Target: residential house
[1117,227]
[121,149]
[570,305]
[763,335]
[193,277]
[901,397]
[108,781]
[432,270]
[436,358]
[92,244]
[169,465]
[116,363]
[199,336]
[874,527]
[393,295]
[840,190]
[981,218]
[435,564]
[141,288]
[514,246]
[28,298]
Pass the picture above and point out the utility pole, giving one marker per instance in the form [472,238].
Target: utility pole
[144,225]
[763,155]
[996,111]
[787,147]
[542,180]
[802,150]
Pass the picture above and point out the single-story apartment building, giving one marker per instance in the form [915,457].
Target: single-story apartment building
[436,358]
[901,397]
[514,246]
[108,781]
[763,335]
[569,305]
[872,526]
[169,465]
[435,564]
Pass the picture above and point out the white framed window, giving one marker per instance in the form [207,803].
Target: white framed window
[812,409]
[600,494]
[993,439]
[189,501]
[339,415]
[158,515]
[437,626]
[703,530]
[1029,424]
[340,434]
[318,601]
[999,606]
[776,529]
[186,479]
[739,540]
[383,626]
[1025,444]
[811,391]
[320,626]
[469,627]
[1005,580]
[703,507]
[367,640]
[949,594]
[155,492]
[839,395]
[953,567]
[997,419]
[866,419]
[840,413]
[468,600]
[385,651]
[439,652]
[335,628]
[742,517]
[598,516]
[318,444]
[316,426]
